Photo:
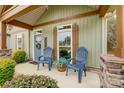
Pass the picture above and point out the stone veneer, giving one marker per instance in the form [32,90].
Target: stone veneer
[7,53]
[112,72]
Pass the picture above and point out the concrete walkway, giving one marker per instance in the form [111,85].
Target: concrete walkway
[70,81]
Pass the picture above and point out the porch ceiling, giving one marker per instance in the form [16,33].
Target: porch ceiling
[32,17]
[1,7]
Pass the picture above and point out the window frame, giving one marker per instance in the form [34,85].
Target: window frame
[63,30]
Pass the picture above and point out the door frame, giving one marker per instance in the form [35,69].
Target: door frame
[33,41]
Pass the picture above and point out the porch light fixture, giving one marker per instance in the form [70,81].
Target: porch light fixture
[10,27]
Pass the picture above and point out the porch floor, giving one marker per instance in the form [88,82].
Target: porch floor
[70,81]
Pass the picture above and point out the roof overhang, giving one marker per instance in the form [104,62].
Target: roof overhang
[16,11]
[21,15]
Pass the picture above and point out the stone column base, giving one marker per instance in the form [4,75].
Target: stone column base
[112,71]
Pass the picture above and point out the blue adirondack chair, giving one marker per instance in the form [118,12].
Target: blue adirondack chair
[80,59]
[46,58]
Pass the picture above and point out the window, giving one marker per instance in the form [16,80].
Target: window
[65,38]
[19,41]
[64,41]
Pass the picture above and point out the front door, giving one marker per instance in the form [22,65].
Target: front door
[38,47]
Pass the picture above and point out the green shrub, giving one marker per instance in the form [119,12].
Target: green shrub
[34,81]
[6,69]
[19,56]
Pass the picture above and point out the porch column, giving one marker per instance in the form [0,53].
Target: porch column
[119,50]
[3,35]
[74,40]
[55,43]
[112,66]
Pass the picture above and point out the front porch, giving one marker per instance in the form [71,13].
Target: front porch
[90,81]
[88,29]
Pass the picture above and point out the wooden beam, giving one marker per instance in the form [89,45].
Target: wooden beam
[3,35]
[5,8]
[68,18]
[75,43]
[17,12]
[119,50]
[103,10]
[21,24]
[54,43]
[10,9]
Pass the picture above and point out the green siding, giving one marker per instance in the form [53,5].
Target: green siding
[56,12]
[13,40]
[90,30]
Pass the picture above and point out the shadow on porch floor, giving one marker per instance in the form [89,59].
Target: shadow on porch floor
[70,81]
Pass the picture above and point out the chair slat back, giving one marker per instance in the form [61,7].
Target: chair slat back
[81,54]
[47,52]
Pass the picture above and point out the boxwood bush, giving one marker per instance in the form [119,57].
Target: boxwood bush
[6,69]
[19,56]
[34,81]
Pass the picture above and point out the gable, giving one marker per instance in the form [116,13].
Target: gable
[60,11]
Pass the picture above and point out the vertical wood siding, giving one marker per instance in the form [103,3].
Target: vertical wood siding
[90,30]
[13,37]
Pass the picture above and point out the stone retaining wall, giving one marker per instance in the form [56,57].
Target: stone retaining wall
[112,72]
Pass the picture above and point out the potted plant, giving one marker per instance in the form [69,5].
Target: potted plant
[61,64]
